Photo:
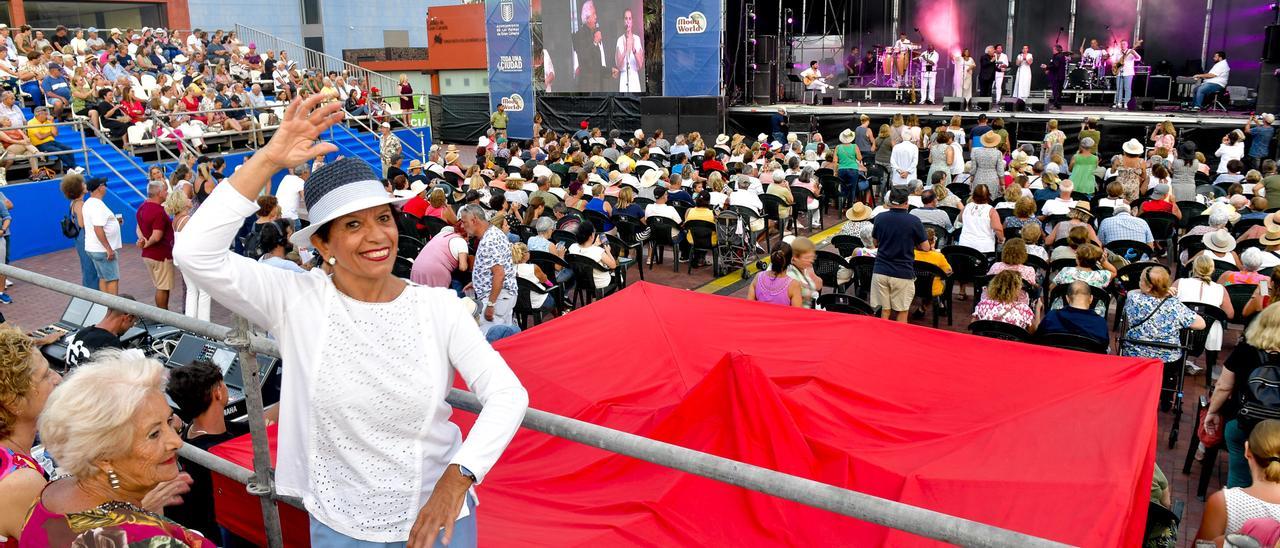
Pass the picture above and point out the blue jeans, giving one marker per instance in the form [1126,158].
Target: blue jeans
[849,180]
[1237,467]
[1204,90]
[1124,90]
[88,272]
[68,160]
[464,535]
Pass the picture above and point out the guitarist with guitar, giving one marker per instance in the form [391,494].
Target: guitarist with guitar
[1122,67]
[814,81]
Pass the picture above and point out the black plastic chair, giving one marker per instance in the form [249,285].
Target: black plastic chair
[1191,211]
[432,226]
[1240,295]
[408,247]
[845,245]
[800,215]
[551,265]
[1126,280]
[961,190]
[524,309]
[862,268]
[1071,341]
[999,330]
[599,220]
[1243,225]
[831,192]
[952,212]
[585,289]
[854,306]
[660,236]
[1196,342]
[524,232]
[926,273]
[1164,228]
[629,229]
[702,236]
[827,265]
[773,205]
[564,238]
[967,265]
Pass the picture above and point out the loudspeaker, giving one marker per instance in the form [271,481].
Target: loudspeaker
[1013,104]
[1146,103]
[1271,44]
[828,100]
[1269,87]
[764,89]
[660,113]
[952,103]
[1038,104]
[702,114]
[981,103]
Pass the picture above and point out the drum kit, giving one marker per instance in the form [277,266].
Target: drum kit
[897,66]
[1088,75]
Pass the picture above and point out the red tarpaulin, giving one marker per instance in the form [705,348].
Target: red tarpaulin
[1053,443]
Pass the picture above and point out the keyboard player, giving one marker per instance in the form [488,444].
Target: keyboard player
[1214,81]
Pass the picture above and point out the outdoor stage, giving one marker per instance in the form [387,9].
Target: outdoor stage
[1205,128]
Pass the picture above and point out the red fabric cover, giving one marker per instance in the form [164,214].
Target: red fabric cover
[1054,443]
[240,512]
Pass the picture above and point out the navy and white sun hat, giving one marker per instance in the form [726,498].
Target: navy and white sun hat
[340,188]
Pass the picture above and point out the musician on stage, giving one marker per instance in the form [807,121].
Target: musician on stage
[987,72]
[1124,77]
[1056,70]
[853,67]
[591,68]
[1022,82]
[1214,81]
[814,81]
[902,58]
[1002,64]
[1093,56]
[928,75]
[628,57]
[963,76]
[903,43]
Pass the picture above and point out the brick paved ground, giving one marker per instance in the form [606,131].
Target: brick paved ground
[34,307]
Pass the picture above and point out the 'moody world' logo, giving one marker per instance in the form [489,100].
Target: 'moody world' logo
[695,23]
[514,103]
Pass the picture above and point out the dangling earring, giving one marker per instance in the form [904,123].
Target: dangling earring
[332,260]
[113,479]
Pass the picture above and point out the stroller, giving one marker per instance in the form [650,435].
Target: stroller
[736,242]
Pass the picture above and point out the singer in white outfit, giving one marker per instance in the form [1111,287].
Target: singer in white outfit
[928,75]
[1002,64]
[628,58]
[1022,82]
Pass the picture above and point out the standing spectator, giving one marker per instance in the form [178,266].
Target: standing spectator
[103,240]
[493,278]
[904,160]
[44,135]
[1260,135]
[981,227]
[988,162]
[289,194]
[498,120]
[897,234]
[389,148]
[406,100]
[73,189]
[156,241]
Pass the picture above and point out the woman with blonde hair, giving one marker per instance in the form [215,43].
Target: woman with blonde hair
[25,384]
[1155,315]
[110,428]
[1054,139]
[1004,301]
[1260,345]
[803,253]
[1201,288]
[1227,510]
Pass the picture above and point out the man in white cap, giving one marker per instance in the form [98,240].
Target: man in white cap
[389,147]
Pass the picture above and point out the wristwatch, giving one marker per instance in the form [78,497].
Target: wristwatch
[466,473]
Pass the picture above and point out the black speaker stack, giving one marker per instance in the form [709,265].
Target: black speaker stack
[675,115]
[1269,78]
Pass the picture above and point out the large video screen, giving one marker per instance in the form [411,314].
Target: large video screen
[592,46]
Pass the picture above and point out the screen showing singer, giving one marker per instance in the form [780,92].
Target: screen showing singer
[593,45]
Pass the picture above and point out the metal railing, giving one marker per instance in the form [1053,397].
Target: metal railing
[82,128]
[889,513]
[312,59]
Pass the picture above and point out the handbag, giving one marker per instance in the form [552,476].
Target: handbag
[1209,440]
[69,227]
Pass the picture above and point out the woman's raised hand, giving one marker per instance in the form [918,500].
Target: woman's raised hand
[297,140]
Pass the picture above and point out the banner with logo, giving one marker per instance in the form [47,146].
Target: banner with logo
[510,63]
[691,51]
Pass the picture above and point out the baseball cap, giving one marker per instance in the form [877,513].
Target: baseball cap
[93,184]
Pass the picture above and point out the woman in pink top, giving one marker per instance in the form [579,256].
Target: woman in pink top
[773,285]
[442,256]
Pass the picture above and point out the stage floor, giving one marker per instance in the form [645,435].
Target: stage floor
[1067,113]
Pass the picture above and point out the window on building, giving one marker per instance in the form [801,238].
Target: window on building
[311,12]
[103,15]
[313,42]
[466,82]
[448,82]
[395,38]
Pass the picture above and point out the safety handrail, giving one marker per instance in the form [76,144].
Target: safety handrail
[889,513]
[309,57]
[106,139]
[417,131]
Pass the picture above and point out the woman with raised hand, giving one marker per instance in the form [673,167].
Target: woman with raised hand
[365,438]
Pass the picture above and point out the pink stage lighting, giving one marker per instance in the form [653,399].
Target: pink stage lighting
[939,21]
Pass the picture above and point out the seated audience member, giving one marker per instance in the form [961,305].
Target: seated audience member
[110,428]
[803,253]
[589,245]
[1161,202]
[1091,268]
[201,397]
[1122,225]
[1248,274]
[1077,317]
[104,334]
[274,245]
[1153,315]
[1079,215]
[1032,234]
[25,383]
[532,273]
[1004,301]
[1063,203]
[660,207]
[931,255]
[1227,510]
[442,260]
[774,285]
[1024,214]
[929,213]
[542,240]
[1200,288]
[1014,257]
